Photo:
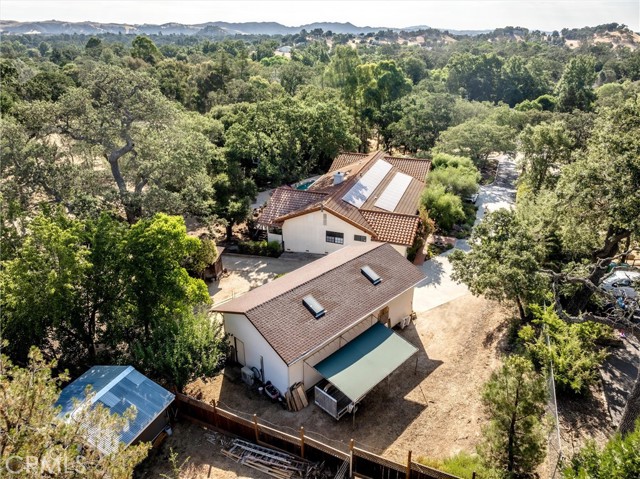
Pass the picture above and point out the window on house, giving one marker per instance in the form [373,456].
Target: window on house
[324,219]
[333,237]
[361,238]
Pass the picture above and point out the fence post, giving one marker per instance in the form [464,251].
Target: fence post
[409,465]
[255,428]
[351,458]
[215,414]
[302,442]
[473,475]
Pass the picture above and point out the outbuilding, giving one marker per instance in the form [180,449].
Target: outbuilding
[118,388]
[330,320]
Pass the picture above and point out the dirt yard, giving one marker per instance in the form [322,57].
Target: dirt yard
[204,459]
[435,412]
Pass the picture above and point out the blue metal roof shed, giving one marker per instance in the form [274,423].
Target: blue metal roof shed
[117,388]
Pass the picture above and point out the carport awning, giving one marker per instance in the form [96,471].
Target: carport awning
[361,364]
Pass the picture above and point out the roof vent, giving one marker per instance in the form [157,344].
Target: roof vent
[313,306]
[371,275]
[338,177]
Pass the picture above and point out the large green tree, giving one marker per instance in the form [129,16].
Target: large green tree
[114,142]
[90,291]
[505,261]
[477,138]
[575,88]
[515,398]
[545,148]
[423,117]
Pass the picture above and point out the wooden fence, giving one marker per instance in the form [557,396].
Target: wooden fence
[361,463]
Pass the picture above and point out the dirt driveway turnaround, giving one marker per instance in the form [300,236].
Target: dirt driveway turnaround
[434,412]
[249,272]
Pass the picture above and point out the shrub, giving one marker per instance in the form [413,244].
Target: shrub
[572,350]
[459,181]
[203,257]
[462,465]
[441,160]
[444,208]
[260,248]
[619,458]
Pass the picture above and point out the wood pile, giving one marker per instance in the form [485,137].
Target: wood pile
[270,461]
[296,397]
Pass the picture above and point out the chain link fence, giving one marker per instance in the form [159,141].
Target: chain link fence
[554,443]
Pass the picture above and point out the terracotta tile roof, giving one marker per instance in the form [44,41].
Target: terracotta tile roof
[345,159]
[336,282]
[329,196]
[325,182]
[418,168]
[285,200]
[392,227]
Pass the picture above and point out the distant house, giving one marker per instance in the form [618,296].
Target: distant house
[321,320]
[362,198]
[118,388]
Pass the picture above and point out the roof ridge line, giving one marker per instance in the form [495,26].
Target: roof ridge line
[107,387]
[332,210]
[390,213]
[287,187]
[320,275]
[413,158]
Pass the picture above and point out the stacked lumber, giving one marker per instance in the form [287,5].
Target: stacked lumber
[296,397]
[272,462]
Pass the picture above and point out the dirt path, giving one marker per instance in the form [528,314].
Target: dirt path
[434,412]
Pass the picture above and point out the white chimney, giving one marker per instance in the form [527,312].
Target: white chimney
[338,176]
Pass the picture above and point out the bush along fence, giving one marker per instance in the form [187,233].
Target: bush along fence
[355,460]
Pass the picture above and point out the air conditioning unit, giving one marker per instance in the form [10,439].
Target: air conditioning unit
[247,375]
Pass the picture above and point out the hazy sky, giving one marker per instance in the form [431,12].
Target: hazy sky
[454,14]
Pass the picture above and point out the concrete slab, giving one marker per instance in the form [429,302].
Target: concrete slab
[438,288]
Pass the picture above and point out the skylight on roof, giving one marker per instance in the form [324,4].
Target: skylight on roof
[313,306]
[371,275]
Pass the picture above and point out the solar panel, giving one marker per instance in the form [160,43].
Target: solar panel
[394,191]
[371,275]
[313,306]
[360,192]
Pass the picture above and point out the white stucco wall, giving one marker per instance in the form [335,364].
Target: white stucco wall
[401,307]
[402,249]
[275,370]
[274,237]
[307,233]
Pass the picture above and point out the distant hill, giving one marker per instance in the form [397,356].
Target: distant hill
[56,27]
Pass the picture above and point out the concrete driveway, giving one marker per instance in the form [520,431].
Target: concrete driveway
[438,287]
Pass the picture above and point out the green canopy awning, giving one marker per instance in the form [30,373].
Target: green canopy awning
[361,364]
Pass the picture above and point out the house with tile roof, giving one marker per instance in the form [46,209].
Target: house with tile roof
[362,198]
[330,320]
